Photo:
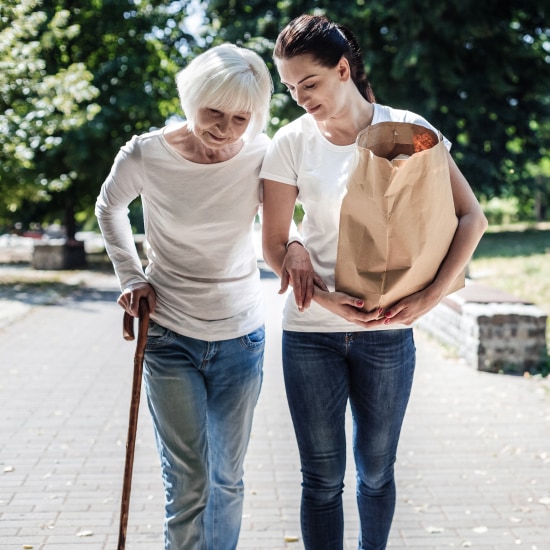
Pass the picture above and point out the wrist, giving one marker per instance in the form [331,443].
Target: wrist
[290,243]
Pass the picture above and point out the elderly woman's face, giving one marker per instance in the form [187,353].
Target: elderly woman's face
[217,128]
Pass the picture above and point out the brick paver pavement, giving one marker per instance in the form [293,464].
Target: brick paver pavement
[473,468]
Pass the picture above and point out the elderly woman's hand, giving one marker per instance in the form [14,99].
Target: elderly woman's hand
[130,298]
[297,271]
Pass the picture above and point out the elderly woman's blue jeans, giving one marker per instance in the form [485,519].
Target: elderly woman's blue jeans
[374,371]
[201,396]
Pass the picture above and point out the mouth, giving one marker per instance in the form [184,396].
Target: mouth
[216,138]
[312,110]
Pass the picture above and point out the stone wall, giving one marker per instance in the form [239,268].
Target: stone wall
[491,330]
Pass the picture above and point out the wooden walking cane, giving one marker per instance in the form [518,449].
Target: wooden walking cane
[128,333]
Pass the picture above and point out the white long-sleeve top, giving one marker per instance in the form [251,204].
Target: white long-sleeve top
[199,222]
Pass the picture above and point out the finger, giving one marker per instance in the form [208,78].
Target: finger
[151,302]
[401,315]
[121,301]
[135,298]
[355,302]
[308,296]
[320,283]
[124,301]
[298,294]
[285,278]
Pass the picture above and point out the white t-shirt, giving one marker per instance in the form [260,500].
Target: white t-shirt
[199,221]
[300,155]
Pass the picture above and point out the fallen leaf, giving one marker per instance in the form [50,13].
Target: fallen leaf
[291,538]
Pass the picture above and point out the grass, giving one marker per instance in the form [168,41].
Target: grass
[516,259]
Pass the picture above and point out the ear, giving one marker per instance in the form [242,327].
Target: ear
[344,71]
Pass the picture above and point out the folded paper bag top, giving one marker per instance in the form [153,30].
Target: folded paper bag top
[391,139]
[397,218]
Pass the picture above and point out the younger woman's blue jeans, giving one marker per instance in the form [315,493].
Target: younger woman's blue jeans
[201,396]
[374,370]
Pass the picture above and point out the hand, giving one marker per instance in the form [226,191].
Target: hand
[409,309]
[130,298]
[346,306]
[297,271]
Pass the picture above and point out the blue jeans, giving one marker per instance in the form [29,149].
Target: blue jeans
[201,396]
[374,370]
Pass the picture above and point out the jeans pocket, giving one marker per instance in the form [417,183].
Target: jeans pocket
[255,340]
[157,335]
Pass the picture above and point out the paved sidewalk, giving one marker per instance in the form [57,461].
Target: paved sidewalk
[473,469]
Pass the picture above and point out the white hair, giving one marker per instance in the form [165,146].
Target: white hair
[230,79]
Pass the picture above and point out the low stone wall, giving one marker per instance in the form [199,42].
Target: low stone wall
[491,330]
[58,254]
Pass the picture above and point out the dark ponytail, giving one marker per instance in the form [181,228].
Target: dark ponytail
[326,42]
[355,59]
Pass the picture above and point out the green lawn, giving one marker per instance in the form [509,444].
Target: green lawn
[516,259]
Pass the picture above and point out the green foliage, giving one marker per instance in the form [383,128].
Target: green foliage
[36,104]
[127,53]
[516,241]
[479,71]
[501,210]
[77,80]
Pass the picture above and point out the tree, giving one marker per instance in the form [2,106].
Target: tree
[35,105]
[132,50]
[479,71]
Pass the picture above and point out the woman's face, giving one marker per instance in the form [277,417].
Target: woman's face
[217,129]
[319,90]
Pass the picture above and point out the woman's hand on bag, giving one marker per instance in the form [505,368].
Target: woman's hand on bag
[409,309]
[347,307]
[297,271]
[130,298]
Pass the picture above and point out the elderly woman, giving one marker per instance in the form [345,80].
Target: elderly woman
[200,190]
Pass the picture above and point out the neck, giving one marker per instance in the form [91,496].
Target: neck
[192,148]
[342,129]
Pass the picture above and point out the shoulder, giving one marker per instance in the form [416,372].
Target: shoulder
[137,144]
[384,113]
[295,129]
[258,145]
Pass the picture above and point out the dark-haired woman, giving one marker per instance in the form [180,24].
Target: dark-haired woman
[332,350]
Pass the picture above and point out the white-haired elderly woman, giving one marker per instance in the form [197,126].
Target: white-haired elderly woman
[199,186]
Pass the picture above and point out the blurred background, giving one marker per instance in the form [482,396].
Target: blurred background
[78,79]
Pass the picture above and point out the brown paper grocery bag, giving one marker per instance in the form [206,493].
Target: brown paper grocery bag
[397,218]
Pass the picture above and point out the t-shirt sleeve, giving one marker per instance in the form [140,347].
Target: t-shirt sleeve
[279,163]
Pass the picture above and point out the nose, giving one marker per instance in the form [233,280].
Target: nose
[300,96]
[223,124]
